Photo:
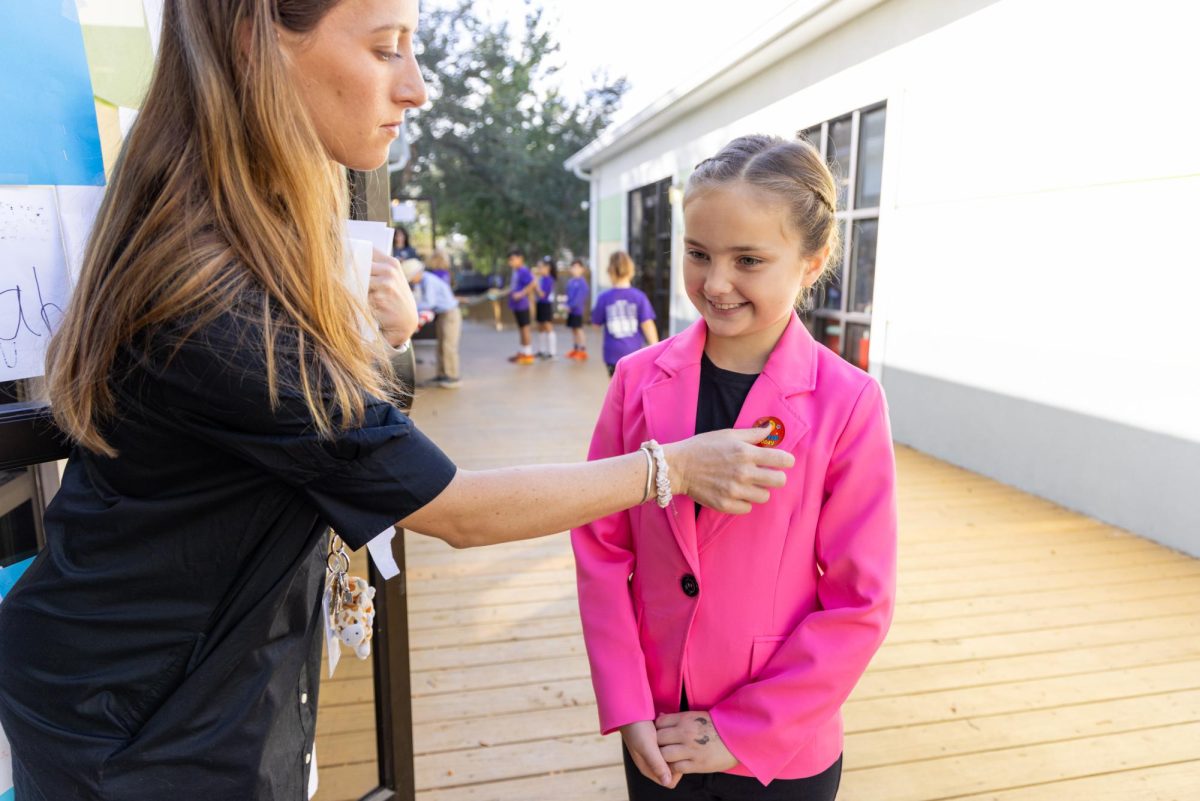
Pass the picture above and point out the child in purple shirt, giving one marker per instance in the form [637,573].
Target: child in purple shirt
[518,300]
[577,297]
[547,276]
[625,313]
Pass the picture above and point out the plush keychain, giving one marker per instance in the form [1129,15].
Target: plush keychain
[351,608]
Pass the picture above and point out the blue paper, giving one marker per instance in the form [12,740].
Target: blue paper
[48,130]
[7,796]
[8,578]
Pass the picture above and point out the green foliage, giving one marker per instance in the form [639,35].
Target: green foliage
[491,149]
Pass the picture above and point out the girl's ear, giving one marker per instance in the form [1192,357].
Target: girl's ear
[814,266]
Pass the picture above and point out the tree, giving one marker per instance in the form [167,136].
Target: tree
[491,149]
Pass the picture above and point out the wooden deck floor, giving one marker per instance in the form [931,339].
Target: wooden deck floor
[1036,655]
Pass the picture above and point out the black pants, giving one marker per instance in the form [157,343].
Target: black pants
[727,787]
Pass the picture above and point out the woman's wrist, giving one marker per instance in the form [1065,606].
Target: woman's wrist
[677,467]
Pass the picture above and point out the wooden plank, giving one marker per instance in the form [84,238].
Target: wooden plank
[509,613]
[995,771]
[597,784]
[901,745]
[521,727]
[518,761]
[1174,782]
[1034,620]
[497,654]
[502,701]
[1052,598]
[962,589]
[534,671]
[998,699]
[495,632]
[986,646]
[882,683]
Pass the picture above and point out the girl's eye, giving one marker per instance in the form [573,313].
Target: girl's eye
[389,55]
[750,261]
[697,255]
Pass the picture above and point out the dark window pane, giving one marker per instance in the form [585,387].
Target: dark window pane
[829,295]
[839,157]
[862,265]
[858,345]
[829,333]
[18,531]
[870,158]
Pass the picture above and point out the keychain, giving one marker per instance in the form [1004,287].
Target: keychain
[351,607]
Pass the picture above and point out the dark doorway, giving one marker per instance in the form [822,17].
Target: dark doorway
[650,247]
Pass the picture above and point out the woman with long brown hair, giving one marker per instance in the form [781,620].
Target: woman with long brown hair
[226,411]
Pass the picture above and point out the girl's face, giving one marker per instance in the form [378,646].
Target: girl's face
[744,264]
[357,75]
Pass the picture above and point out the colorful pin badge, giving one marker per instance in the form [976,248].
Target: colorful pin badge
[772,439]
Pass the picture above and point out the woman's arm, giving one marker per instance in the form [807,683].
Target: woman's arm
[722,470]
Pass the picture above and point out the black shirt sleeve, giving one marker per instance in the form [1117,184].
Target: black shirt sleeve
[361,480]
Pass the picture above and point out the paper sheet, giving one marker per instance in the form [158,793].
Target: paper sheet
[377,233]
[381,553]
[35,284]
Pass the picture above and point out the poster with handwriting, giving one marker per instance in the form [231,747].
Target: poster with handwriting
[34,282]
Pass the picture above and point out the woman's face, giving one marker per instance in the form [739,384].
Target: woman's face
[356,74]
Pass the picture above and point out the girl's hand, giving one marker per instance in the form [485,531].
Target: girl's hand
[641,740]
[690,744]
[391,299]
[725,470]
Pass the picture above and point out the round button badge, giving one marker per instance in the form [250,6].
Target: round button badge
[772,439]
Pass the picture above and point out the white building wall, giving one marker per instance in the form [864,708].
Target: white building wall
[1041,180]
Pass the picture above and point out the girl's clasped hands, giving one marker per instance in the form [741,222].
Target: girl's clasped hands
[674,744]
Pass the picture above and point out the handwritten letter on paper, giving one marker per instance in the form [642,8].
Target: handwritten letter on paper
[34,282]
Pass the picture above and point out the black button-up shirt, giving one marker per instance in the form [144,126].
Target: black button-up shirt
[160,645]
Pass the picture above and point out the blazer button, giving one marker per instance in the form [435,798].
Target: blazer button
[691,588]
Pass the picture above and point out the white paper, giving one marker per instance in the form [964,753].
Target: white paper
[119,13]
[380,549]
[6,779]
[154,17]
[125,118]
[377,233]
[358,276]
[77,207]
[35,283]
[333,646]
[312,773]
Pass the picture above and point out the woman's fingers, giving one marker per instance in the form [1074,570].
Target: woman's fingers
[675,753]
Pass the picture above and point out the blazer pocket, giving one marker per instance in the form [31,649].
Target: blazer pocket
[762,650]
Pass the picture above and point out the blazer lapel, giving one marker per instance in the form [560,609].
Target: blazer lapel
[670,408]
[790,371]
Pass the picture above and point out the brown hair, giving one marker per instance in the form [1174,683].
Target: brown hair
[793,171]
[620,266]
[223,192]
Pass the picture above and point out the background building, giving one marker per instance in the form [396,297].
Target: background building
[1018,177]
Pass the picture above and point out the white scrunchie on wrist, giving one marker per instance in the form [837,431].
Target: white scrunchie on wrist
[662,475]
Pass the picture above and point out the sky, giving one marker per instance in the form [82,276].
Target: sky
[656,44]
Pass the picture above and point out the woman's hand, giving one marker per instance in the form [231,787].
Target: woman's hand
[641,740]
[391,299]
[725,470]
[690,744]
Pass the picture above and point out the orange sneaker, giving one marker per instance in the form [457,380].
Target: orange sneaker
[581,355]
[526,358]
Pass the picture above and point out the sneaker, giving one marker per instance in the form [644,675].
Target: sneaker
[545,356]
[446,382]
[581,355]
[525,358]
[516,357]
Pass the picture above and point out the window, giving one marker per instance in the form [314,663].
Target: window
[852,145]
[650,247]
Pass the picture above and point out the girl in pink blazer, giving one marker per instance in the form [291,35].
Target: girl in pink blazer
[722,647]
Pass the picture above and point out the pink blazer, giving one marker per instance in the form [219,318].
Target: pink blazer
[769,618]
